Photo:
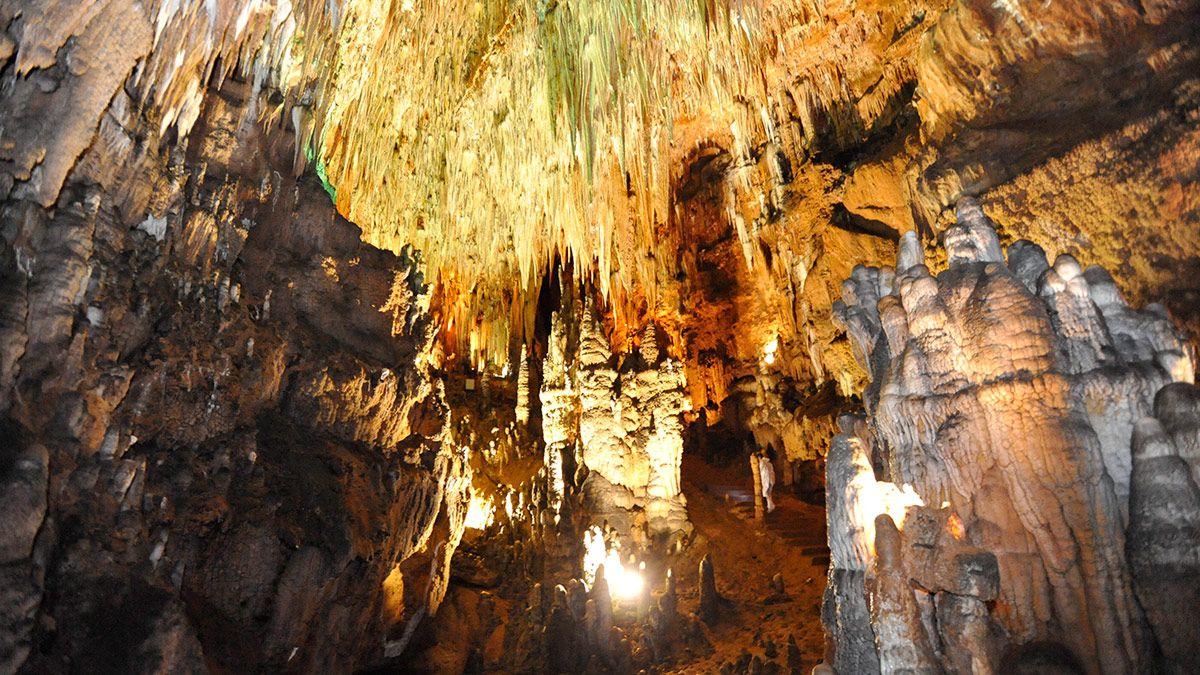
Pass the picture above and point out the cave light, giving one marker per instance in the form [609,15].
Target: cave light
[623,583]
[480,512]
[769,351]
[895,501]
[955,525]
[884,497]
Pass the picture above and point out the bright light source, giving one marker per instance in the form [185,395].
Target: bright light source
[479,513]
[895,501]
[882,497]
[622,583]
[593,553]
[769,350]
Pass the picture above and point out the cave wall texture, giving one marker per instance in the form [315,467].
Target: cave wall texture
[235,252]
[220,437]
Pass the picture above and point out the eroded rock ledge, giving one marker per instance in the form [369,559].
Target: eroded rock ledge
[984,503]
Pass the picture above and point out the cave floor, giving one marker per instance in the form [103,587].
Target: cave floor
[746,555]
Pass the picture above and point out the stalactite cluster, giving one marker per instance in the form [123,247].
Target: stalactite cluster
[345,335]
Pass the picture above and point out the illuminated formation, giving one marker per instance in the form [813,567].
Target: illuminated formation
[628,430]
[630,433]
[361,335]
[1005,391]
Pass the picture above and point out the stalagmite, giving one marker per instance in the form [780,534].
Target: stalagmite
[604,613]
[1008,400]
[523,388]
[668,604]
[795,660]
[558,412]
[850,645]
[562,650]
[631,433]
[1163,543]
[900,637]
[710,600]
[756,482]
[1177,407]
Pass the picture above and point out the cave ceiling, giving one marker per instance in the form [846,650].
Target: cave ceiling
[646,143]
[503,135]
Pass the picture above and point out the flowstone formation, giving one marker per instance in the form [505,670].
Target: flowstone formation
[620,418]
[983,504]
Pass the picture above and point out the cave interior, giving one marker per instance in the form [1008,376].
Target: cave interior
[588,336]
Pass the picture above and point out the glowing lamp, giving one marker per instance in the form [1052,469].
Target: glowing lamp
[769,351]
[623,583]
[479,513]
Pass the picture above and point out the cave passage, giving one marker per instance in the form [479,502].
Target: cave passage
[595,336]
[526,536]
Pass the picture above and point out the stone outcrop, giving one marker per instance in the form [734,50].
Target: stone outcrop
[221,444]
[1007,392]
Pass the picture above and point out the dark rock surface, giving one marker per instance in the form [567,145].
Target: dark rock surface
[218,444]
